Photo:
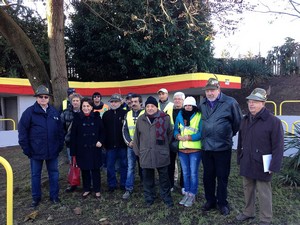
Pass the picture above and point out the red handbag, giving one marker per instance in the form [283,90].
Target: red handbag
[74,173]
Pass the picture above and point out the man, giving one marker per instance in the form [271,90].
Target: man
[98,105]
[261,134]
[114,142]
[221,116]
[128,133]
[178,99]
[41,138]
[164,104]
[67,103]
[126,105]
[66,118]
[151,144]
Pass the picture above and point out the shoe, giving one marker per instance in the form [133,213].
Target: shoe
[224,210]
[182,191]
[208,206]
[127,195]
[243,217]
[70,189]
[190,200]
[55,200]
[183,200]
[86,194]
[98,195]
[35,203]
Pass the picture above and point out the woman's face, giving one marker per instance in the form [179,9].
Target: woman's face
[86,108]
[188,107]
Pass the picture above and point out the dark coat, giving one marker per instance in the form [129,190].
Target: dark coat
[263,136]
[41,133]
[220,124]
[152,155]
[113,123]
[86,131]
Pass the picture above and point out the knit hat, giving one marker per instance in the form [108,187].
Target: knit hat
[258,94]
[42,90]
[151,100]
[212,84]
[189,101]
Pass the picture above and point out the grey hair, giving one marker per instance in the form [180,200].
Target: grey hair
[179,93]
[75,95]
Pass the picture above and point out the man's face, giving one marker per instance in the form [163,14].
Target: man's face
[129,102]
[255,106]
[115,104]
[42,100]
[97,99]
[135,104]
[212,94]
[178,102]
[151,109]
[162,96]
[76,103]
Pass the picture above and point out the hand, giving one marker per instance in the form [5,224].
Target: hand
[270,172]
[98,144]
[130,145]
[180,138]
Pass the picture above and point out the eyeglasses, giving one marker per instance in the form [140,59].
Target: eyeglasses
[43,96]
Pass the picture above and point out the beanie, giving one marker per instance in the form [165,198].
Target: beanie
[189,101]
[151,100]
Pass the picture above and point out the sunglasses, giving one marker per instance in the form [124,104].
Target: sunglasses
[43,96]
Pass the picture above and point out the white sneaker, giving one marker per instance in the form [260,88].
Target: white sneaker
[182,191]
[184,199]
[190,200]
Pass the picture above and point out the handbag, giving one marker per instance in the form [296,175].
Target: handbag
[74,173]
[174,146]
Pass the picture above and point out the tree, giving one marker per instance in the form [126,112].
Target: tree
[118,40]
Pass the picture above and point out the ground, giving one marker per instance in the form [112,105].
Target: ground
[111,209]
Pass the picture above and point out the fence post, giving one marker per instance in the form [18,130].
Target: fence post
[9,191]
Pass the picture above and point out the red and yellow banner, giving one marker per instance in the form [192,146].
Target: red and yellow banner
[172,83]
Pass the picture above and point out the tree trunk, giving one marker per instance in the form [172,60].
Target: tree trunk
[26,52]
[58,67]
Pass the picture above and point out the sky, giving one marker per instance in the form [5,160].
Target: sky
[259,32]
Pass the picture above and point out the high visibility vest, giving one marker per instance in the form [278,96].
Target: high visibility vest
[65,104]
[169,110]
[131,121]
[101,111]
[192,129]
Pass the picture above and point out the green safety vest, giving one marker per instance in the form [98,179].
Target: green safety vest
[131,121]
[192,129]
[169,110]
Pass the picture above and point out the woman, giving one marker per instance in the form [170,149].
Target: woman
[187,130]
[87,137]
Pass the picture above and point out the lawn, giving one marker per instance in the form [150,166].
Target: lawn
[112,209]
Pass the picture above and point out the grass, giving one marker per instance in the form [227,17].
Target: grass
[286,202]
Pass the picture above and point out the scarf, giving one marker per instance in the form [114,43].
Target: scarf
[187,115]
[159,120]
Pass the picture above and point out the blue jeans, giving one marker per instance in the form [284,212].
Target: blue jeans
[190,166]
[112,155]
[53,174]
[131,157]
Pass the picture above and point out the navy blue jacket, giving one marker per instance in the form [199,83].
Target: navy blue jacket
[41,133]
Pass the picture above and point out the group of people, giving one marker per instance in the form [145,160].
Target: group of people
[98,135]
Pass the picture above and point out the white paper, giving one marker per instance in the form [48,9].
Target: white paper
[266,161]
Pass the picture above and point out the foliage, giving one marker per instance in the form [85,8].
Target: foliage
[118,40]
[292,141]
[285,56]
[252,70]
[36,30]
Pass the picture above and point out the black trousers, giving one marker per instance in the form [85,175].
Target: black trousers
[171,170]
[91,175]
[216,168]
[164,185]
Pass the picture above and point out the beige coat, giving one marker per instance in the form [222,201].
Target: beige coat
[145,146]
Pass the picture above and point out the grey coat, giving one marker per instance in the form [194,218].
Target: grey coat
[151,154]
[262,136]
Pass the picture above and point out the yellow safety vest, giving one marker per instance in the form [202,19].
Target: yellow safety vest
[169,110]
[104,109]
[192,129]
[64,104]
[131,122]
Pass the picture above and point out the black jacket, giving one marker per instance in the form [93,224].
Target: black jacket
[113,123]
[220,124]
[86,131]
